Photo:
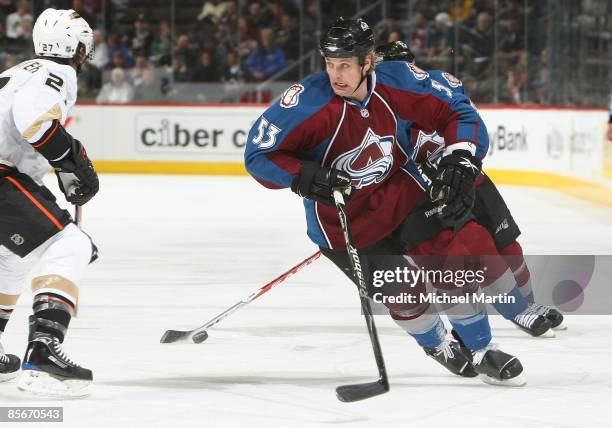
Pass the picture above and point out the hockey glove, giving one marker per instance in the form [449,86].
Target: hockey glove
[452,188]
[318,183]
[76,175]
[429,169]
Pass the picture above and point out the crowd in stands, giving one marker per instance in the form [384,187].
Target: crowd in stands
[241,41]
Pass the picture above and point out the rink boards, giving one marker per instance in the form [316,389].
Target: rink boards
[552,147]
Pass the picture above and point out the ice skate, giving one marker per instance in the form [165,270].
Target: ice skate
[46,370]
[532,321]
[9,365]
[552,315]
[498,368]
[452,356]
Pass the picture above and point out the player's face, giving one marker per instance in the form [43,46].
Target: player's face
[344,75]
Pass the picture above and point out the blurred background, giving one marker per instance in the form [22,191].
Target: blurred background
[518,52]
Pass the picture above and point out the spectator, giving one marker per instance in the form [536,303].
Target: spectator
[254,21]
[148,89]
[141,37]
[117,90]
[510,42]
[227,40]
[117,60]
[180,72]
[230,17]
[212,11]
[162,44]
[288,37]
[418,35]
[391,26]
[267,58]
[114,45]
[245,45]
[311,32]
[188,50]
[441,42]
[85,12]
[206,71]
[89,81]
[516,80]
[394,36]
[232,72]
[273,15]
[14,28]
[100,53]
[141,63]
[23,44]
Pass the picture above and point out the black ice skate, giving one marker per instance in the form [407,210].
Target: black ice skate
[498,368]
[9,366]
[532,321]
[452,356]
[48,371]
[552,315]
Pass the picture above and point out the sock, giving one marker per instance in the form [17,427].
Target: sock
[53,313]
[516,262]
[474,331]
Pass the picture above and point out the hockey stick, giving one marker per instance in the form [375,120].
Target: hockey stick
[78,219]
[199,334]
[361,391]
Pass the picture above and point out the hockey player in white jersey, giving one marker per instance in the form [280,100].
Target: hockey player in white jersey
[35,99]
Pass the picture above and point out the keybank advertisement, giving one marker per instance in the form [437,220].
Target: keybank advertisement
[568,142]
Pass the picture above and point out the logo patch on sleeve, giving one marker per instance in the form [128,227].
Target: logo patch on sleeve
[291,97]
[417,72]
[452,80]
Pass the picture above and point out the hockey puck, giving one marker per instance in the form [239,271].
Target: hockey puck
[200,337]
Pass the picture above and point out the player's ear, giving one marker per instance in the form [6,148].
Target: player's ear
[368,63]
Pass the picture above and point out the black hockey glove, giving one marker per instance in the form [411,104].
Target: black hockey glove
[318,183]
[429,169]
[452,188]
[76,175]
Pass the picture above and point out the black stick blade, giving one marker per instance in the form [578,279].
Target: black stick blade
[361,391]
[172,336]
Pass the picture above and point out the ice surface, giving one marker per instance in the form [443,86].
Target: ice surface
[177,250]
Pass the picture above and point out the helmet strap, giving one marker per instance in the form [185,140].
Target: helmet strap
[364,76]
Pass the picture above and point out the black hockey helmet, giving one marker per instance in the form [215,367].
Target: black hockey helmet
[395,51]
[347,38]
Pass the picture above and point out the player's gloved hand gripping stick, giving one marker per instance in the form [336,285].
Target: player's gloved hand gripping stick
[452,186]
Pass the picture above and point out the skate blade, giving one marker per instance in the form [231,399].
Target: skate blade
[5,377]
[43,384]
[548,334]
[560,327]
[515,382]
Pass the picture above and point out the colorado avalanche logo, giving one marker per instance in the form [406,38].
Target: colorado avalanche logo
[417,72]
[370,162]
[452,80]
[426,146]
[291,96]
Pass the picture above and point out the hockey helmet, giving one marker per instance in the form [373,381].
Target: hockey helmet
[395,51]
[57,33]
[347,38]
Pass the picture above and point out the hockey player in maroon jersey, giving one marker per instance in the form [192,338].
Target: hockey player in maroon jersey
[338,129]
[490,209]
